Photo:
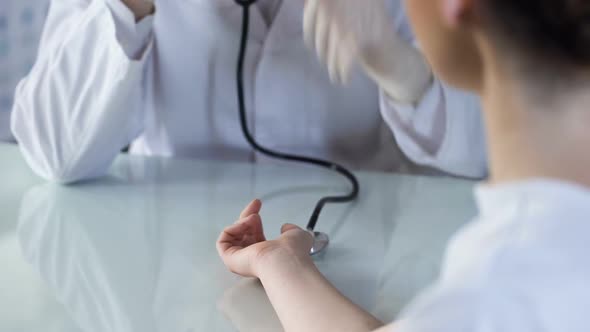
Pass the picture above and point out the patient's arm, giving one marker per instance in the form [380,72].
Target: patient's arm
[303,299]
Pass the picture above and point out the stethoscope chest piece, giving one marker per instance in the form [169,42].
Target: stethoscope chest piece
[320,243]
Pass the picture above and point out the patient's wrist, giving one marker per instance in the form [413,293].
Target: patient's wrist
[281,262]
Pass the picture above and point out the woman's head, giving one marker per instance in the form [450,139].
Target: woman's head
[539,38]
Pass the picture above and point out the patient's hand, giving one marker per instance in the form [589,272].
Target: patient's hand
[245,250]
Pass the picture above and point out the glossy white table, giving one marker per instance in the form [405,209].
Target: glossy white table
[135,251]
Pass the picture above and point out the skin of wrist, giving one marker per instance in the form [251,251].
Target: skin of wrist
[282,261]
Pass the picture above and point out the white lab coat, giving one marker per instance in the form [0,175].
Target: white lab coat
[167,86]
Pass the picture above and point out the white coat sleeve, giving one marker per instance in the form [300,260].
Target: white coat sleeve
[81,102]
[444,130]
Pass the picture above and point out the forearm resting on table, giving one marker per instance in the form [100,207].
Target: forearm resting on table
[305,301]
[140,8]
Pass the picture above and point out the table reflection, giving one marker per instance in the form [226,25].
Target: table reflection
[136,251]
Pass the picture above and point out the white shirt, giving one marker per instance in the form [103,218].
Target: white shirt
[522,266]
[167,86]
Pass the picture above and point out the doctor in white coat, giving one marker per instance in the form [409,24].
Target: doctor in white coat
[161,78]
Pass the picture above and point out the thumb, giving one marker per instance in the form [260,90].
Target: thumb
[289,227]
[298,234]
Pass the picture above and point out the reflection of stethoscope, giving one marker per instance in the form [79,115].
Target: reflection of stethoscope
[321,240]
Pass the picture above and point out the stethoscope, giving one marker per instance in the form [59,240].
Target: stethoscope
[321,239]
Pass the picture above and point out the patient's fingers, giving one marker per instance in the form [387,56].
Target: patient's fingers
[231,237]
[252,208]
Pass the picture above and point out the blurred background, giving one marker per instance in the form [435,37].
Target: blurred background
[21,24]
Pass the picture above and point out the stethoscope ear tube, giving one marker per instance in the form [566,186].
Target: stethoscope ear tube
[320,239]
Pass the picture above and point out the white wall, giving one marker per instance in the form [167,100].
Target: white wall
[21,23]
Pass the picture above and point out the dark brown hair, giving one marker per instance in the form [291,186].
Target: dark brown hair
[558,30]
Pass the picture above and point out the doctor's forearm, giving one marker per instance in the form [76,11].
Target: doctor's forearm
[305,301]
[81,102]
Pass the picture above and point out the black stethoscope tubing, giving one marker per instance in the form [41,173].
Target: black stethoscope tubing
[351,196]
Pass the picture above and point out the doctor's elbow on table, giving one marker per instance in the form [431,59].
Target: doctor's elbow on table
[80,104]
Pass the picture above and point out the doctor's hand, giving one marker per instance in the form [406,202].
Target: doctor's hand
[140,8]
[349,32]
[245,250]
